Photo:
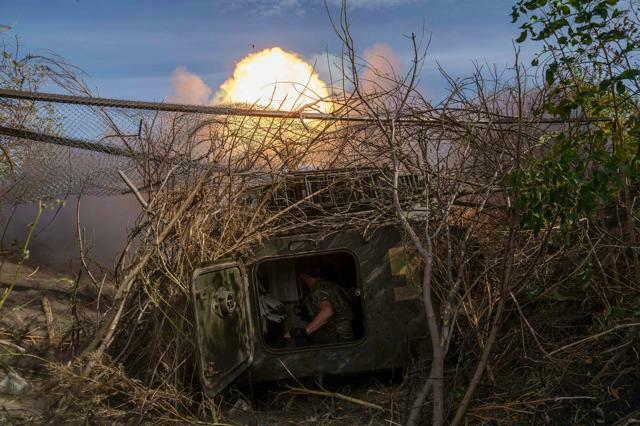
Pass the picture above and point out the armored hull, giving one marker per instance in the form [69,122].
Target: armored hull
[236,341]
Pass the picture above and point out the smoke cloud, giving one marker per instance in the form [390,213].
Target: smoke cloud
[188,88]
[105,220]
[383,65]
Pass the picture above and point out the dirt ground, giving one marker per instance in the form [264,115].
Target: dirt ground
[38,322]
[369,399]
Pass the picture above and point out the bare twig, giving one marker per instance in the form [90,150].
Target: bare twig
[336,395]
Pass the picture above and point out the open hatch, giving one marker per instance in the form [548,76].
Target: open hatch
[223,325]
[282,293]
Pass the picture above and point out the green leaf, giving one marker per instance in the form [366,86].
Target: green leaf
[586,39]
[550,73]
[514,14]
[523,37]
[617,312]
[585,95]
[565,107]
[620,87]
[602,11]
[605,84]
[629,74]
[550,107]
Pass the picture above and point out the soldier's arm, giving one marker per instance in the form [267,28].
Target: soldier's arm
[325,313]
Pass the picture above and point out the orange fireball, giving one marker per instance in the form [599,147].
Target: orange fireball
[277,79]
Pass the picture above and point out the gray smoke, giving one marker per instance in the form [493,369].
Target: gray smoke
[105,219]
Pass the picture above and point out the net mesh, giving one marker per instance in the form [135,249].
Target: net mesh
[54,145]
[52,149]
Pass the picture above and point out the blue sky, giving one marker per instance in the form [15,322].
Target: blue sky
[130,49]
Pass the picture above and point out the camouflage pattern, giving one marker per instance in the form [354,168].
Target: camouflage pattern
[340,322]
[219,298]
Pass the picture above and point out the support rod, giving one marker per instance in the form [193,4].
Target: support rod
[247,112]
[72,143]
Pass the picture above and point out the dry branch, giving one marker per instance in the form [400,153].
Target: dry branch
[104,335]
[48,315]
[336,395]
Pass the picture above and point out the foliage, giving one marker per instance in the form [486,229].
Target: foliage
[590,62]
[31,73]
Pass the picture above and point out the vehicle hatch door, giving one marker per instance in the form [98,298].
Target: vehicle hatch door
[223,323]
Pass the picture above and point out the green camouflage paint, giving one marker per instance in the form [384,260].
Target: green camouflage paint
[393,316]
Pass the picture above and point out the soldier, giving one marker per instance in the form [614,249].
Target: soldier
[330,312]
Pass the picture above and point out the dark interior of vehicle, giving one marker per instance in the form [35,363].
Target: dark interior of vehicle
[282,292]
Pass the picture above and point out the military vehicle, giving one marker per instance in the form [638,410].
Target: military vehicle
[243,306]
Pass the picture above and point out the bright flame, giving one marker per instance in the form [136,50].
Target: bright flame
[276,79]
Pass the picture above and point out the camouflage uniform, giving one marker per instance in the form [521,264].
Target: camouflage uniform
[340,323]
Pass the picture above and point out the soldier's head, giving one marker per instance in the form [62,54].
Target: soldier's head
[308,279]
